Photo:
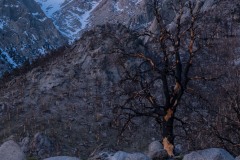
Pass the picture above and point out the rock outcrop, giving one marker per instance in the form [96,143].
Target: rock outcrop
[155,150]
[209,154]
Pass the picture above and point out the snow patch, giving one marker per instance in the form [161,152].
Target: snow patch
[34,37]
[8,58]
[25,32]
[84,18]
[71,31]
[35,14]
[12,6]
[42,50]
[139,1]
[43,19]
[2,24]
[118,8]
[49,7]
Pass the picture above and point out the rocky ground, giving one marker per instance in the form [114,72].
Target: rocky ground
[10,150]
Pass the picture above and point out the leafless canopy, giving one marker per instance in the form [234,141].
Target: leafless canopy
[156,78]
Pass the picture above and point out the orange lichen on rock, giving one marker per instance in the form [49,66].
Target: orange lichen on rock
[168,147]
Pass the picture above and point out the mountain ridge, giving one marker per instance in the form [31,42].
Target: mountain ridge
[25,33]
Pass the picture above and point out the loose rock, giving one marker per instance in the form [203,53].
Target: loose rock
[155,150]
[209,154]
[11,151]
[42,145]
[120,155]
[25,144]
[62,158]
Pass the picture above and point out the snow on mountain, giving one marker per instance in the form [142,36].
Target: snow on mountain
[69,17]
[86,15]
[5,56]
[2,23]
[50,7]
[72,17]
[25,33]
[135,14]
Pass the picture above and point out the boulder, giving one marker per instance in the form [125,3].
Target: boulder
[155,150]
[62,158]
[41,145]
[178,149]
[103,155]
[120,155]
[25,144]
[11,151]
[209,154]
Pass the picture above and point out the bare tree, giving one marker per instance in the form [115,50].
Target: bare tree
[155,80]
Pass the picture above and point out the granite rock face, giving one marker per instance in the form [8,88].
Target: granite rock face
[25,33]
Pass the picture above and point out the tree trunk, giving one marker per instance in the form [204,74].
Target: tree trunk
[167,132]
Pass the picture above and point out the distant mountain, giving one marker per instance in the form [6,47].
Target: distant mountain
[73,17]
[29,28]
[25,33]
[134,14]
[69,17]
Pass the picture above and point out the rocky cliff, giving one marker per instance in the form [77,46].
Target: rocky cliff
[74,17]
[25,33]
[69,17]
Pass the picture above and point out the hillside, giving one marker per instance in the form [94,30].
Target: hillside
[70,100]
[25,33]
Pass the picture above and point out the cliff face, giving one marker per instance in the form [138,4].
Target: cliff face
[132,13]
[25,33]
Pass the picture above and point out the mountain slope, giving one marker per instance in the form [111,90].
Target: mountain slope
[70,97]
[25,33]
[69,17]
[73,17]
